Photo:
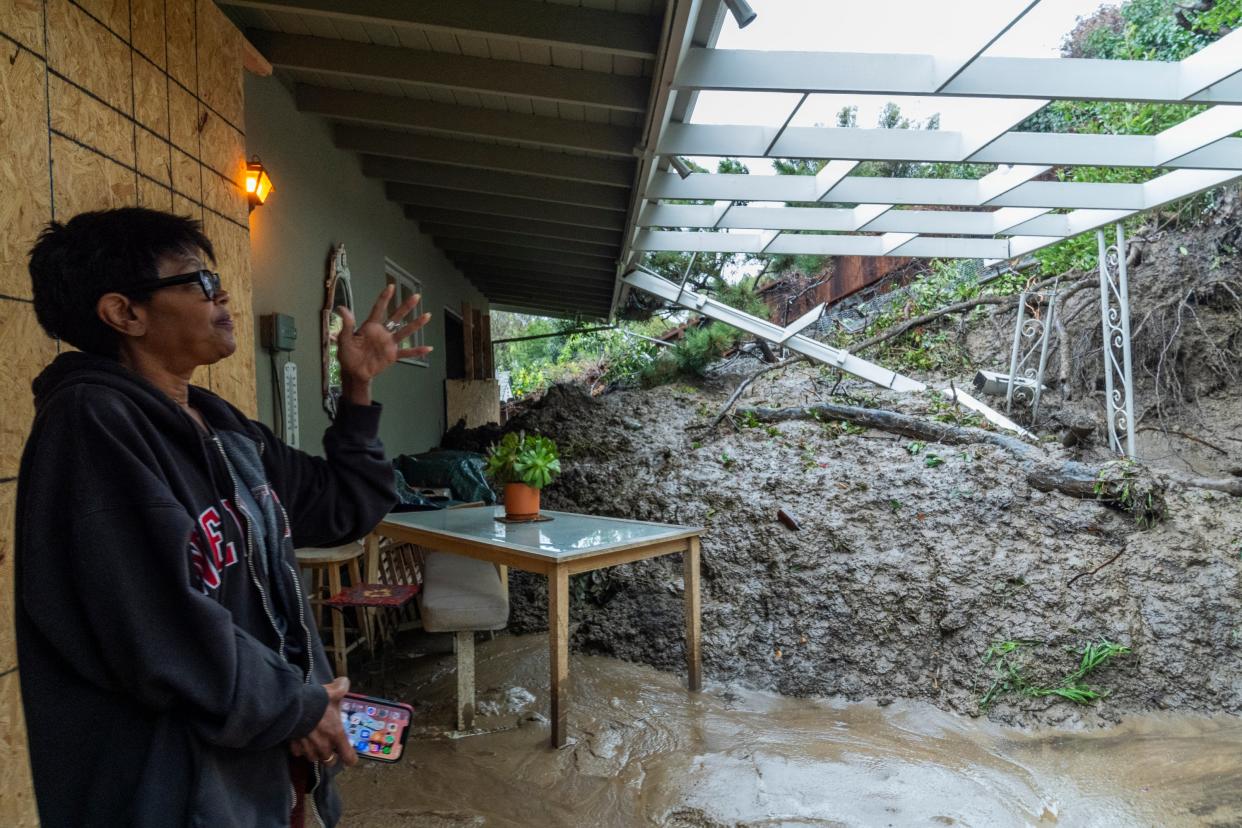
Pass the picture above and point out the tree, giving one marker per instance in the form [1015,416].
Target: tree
[1139,30]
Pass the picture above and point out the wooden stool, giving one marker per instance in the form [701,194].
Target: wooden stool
[331,562]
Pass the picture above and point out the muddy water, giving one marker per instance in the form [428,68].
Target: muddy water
[645,752]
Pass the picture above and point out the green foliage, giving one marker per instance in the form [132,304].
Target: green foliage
[702,270]
[700,347]
[839,428]
[742,296]
[1152,30]
[1078,253]
[704,344]
[523,458]
[1148,30]
[1121,484]
[931,348]
[732,166]
[604,357]
[1009,672]
[1222,16]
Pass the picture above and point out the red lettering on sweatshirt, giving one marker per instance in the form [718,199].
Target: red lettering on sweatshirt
[218,555]
[208,575]
[230,549]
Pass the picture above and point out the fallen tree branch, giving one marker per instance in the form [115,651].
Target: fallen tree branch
[746,383]
[1125,485]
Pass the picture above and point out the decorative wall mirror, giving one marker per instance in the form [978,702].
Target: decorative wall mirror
[339,292]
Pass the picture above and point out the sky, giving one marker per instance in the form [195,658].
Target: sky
[905,26]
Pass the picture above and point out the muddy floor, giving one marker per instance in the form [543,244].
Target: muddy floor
[644,751]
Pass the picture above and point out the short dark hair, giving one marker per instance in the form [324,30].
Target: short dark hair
[75,263]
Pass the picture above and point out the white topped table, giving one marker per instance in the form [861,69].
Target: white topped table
[566,545]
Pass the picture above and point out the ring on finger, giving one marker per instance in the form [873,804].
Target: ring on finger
[330,760]
[392,326]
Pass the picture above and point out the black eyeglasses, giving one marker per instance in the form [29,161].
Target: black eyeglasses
[208,281]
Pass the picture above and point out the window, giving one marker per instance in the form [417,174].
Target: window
[407,286]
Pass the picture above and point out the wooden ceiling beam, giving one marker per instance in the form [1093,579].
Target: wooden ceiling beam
[527,226]
[520,208]
[504,158]
[531,309]
[349,58]
[596,30]
[399,170]
[562,296]
[452,231]
[606,263]
[551,291]
[504,264]
[476,121]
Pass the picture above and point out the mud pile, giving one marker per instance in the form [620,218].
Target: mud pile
[912,560]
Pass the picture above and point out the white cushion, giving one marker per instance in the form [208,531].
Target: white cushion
[461,593]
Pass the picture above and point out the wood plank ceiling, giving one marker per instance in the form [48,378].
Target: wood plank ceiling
[505,128]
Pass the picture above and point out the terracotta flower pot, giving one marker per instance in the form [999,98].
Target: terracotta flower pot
[521,501]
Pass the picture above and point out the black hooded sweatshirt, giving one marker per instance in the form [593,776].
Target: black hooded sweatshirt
[163,670]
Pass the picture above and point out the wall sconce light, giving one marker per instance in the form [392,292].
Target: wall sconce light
[741,11]
[258,185]
[680,166]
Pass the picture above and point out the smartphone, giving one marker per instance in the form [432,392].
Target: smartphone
[377,728]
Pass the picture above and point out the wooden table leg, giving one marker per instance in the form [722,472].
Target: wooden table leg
[558,650]
[690,567]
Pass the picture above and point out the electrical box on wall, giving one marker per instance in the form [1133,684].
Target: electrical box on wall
[277,332]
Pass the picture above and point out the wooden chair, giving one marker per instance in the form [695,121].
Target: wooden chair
[325,567]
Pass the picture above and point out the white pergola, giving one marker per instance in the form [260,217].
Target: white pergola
[1004,214]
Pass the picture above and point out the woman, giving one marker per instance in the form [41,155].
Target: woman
[171,670]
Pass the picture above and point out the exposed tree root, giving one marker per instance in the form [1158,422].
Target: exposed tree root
[1127,486]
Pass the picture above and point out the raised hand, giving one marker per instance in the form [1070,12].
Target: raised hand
[366,351]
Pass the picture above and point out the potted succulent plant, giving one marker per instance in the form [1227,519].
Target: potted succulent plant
[523,463]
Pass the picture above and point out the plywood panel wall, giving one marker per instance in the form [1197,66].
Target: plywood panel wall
[107,103]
